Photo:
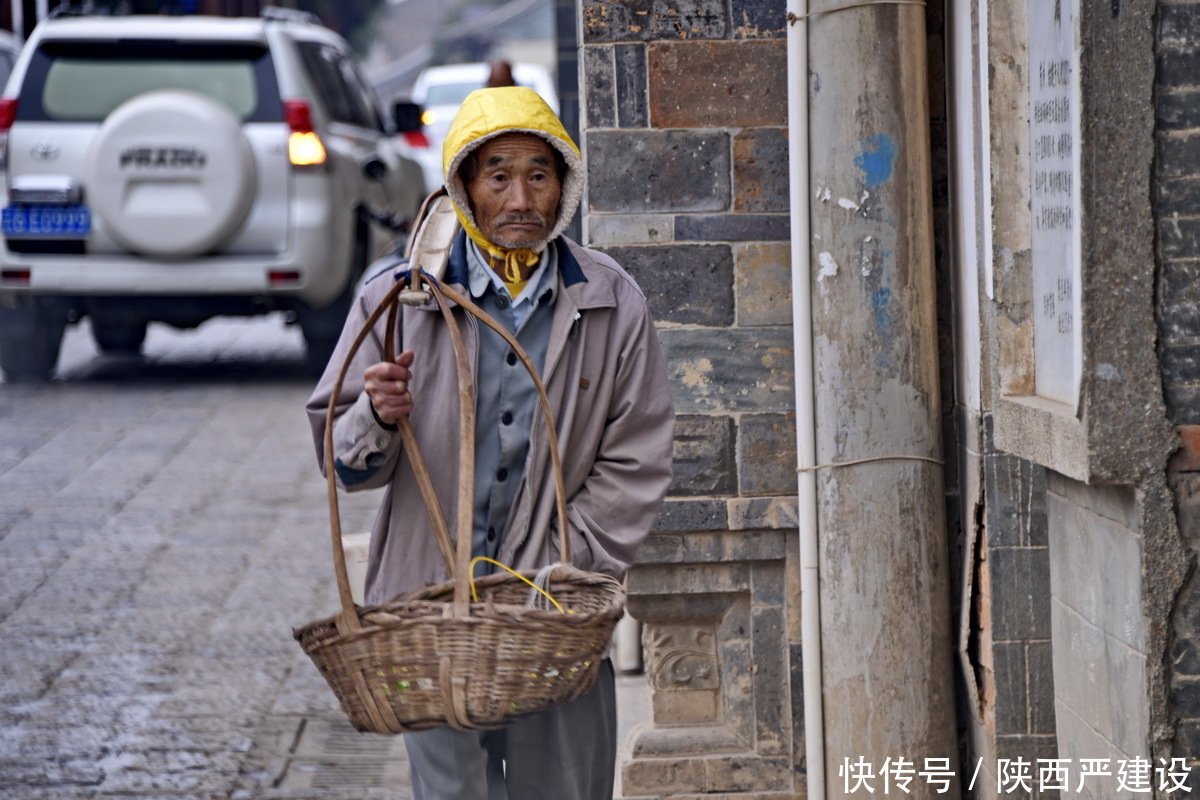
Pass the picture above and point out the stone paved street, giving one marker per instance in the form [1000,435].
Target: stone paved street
[162,530]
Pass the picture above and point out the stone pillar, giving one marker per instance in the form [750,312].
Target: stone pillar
[886,642]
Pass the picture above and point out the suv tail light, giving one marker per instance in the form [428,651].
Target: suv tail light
[8,113]
[416,138]
[304,145]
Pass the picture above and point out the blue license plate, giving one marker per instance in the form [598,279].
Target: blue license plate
[46,221]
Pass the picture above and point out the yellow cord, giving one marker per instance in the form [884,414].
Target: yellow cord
[506,568]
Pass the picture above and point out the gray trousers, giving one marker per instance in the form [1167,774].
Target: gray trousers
[566,753]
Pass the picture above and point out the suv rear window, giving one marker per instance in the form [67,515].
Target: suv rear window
[84,81]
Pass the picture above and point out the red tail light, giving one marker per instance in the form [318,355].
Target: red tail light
[304,145]
[416,138]
[278,276]
[297,115]
[18,277]
[8,112]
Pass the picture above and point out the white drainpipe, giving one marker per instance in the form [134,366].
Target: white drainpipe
[810,603]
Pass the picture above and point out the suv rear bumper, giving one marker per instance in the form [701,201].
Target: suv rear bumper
[306,272]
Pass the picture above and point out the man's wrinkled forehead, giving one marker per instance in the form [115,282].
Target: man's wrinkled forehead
[510,147]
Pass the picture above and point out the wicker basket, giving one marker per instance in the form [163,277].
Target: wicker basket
[473,654]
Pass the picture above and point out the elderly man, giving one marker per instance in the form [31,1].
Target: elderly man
[515,178]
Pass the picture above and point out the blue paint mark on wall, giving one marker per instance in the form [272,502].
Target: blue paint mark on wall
[879,308]
[877,159]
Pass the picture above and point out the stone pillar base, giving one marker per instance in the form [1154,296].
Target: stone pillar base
[724,679]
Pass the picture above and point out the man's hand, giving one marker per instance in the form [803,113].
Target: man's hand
[387,386]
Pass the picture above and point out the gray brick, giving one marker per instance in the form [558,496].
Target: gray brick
[1179,238]
[1039,658]
[705,462]
[767,454]
[758,19]
[1177,68]
[685,284]
[601,87]
[1178,27]
[716,370]
[653,20]
[1180,363]
[1183,403]
[760,170]
[763,512]
[658,171]
[1020,593]
[770,678]
[1011,699]
[1180,283]
[1187,738]
[1178,155]
[692,515]
[732,227]
[630,62]
[1016,510]
[723,546]
[1179,196]
[1187,504]
[1185,696]
[619,229]
[1177,323]
[1177,110]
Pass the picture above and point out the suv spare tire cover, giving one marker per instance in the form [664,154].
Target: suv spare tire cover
[170,173]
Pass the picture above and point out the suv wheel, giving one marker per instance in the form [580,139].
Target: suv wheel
[31,333]
[119,337]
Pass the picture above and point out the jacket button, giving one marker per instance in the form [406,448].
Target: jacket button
[501,474]
[501,301]
[506,418]
[381,442]
[511,359]
[491,534]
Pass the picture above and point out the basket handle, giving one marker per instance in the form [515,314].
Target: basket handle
[457,567]
[462,577]
[348,619]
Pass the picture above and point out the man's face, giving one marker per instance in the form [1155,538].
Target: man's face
[516,190]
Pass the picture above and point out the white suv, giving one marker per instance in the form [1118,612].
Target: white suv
[174,169]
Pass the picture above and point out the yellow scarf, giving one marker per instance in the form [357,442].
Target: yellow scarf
[510,260]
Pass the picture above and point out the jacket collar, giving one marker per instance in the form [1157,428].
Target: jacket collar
[581,277]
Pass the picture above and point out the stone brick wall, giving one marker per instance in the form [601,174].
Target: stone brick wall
[1177,125]
[1178,207]
[1014,671]
[685,113]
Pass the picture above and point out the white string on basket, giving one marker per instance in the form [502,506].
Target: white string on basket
[537,599]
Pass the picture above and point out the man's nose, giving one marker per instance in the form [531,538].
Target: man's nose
[520,198]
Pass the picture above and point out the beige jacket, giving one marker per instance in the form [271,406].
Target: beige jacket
[608,388]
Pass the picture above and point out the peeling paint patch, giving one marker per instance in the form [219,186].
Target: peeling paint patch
[848,204]
[877,159]
[829,267]
[870,256]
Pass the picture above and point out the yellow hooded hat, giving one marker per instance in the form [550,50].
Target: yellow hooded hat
[486,114]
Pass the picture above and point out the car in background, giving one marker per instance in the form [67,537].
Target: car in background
[10,48]
[440,90]
[177,168]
